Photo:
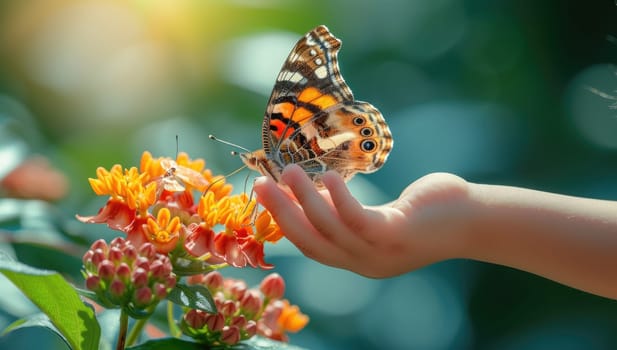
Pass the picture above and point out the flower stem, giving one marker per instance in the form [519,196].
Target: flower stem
[124,325]
[174,331]
[136,330]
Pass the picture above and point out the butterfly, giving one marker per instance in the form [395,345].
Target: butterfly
[312,119]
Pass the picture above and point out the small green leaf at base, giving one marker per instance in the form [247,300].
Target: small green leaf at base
[58,300]
[193,296]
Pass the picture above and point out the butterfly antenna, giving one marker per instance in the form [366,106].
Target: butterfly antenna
[214,138]
[223,178]
[177,147]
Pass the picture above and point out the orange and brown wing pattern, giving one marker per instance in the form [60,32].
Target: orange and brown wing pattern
[312,119]
[308,84]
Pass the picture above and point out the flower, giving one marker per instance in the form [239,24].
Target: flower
[181,220]
[156,203]
[34,177]
[279,318]
[250,310]
[122,275]
[164,232]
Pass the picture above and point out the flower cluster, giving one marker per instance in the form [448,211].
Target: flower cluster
[171,231]
[242,312]
[122,275]
[156,204]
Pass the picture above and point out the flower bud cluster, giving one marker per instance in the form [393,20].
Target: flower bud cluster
[123,275]
[242,311]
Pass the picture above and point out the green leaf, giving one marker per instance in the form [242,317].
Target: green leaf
[193,296]
[38,320]
[168,343]
[50,257]
[255,343]
[58,300]
[186,265]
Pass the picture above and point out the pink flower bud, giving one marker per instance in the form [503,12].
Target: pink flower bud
[273,286]
[195,318]
[130,253]
[159,270]
[99,244]
[237,289]
[98,256]
[228,308]
[106,270]
[142,262]
[251,302]
[213,280]
[238,321]
[115,254]
[143,296]
[118,241]
[160,290]
[195,279]
[87,258]
[93,283]
[147,250]
[117,288]
[123,271]
[215,322]
[170,281]
[250,329]
[140,277]
[230,335]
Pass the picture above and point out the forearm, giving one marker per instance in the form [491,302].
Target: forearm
[567,239]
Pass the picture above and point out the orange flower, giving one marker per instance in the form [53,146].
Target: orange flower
[126,186]
[218,227]
[267,229]
[164,232]
[291,319]
[233,212]
[116,214]
[280,317]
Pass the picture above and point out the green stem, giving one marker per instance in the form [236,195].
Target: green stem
[173,328]
[136,331]
[124,325]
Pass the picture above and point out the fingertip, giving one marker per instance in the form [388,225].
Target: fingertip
[332,179]
[293,175]
[291,170]
[266,189]
[261,182]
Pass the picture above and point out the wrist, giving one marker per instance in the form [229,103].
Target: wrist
[440,207]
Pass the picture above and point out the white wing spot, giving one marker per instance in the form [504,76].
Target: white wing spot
[312,52]
[321,72]
[333,141]
[293,77]
[318,61]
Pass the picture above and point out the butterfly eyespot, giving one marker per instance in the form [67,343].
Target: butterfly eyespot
[368,145]
[366,132]
[358,121]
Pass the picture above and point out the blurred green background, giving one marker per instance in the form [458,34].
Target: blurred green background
[494,91]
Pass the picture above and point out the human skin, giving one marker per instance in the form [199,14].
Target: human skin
[441,216]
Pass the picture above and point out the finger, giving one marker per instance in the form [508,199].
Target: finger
[294,224]
[350,211]
[318,211]
[322,213]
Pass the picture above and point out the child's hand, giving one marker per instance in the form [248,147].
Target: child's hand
[423,226]
[568,239]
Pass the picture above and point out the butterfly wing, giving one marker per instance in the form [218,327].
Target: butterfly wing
[312,119]
[309,83]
